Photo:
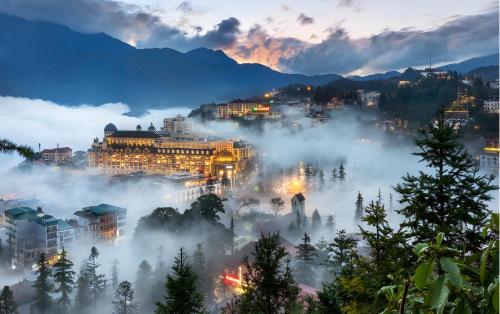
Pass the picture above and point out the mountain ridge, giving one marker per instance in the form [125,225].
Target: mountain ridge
[52,62]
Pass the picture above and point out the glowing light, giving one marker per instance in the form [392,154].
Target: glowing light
[492,149]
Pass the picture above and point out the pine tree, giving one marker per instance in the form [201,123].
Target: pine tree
[358,214]
[342,253]
[7,303]
[379,197]
[375,217]
[97,282]
[114,273]
[322,251]
[182,295]
[123,302]
[158,286]
[342,174]
[83,296]
[233,235]
[452,199]
[143,285]
[316,219]
[306,254]
[204,282]
[268,285]
[334,175]
[321,178]
[64,277]
[330,222]
[43,286]
[199,259]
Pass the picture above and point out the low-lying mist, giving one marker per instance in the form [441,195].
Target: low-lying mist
[373,162]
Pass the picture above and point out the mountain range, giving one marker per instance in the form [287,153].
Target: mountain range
[52,62]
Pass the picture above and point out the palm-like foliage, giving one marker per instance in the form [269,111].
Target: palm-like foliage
[7,146]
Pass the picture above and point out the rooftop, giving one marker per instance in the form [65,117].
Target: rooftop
[134,134]
[100,210]
[59,150]
[20,212]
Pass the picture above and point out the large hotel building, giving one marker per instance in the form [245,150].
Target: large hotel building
[161,152]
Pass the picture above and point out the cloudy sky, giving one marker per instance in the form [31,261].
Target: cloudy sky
[311,37]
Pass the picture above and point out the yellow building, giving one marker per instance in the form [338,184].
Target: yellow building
[240,109]
[151,152]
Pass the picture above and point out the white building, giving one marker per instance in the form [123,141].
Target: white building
[178,125]
[491,105]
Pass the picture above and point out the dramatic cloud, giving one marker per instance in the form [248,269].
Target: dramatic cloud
[339,52]
[466,36]
[259,47]
[129,23]
[304,19]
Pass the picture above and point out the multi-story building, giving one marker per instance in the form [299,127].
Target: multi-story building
[58,155]
[103,223]
[491,105]
[31,232]
[178,125]
[126,152]
[240,109]
[369,98]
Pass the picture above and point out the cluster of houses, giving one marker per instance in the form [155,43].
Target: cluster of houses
[30,232]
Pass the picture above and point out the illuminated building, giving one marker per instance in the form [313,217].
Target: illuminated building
[369,98]
[491,105]
[31,232]
[403,83]
[103,223]
[240,109]
[57,155]
[178,125]
[126,152]
[395,125]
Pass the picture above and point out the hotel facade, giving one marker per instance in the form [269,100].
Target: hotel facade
[151,152]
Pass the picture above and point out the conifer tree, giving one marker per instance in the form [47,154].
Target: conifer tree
[114,273]
[375,217]
[268,286]
[316,220]
[451,198]
[343,253]
[199,259]
[83,296]
[379,197]
[306,254]
[123,302]
[342,173]
[233,235]
[182,296]
[358,214]
[330,222]
[97,282]
[7,303]
[143,285]
[334,175]
[64,277]
[158,286]
[43,286]
[321,178]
